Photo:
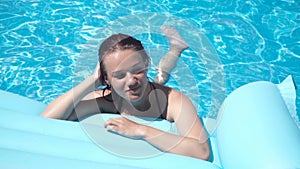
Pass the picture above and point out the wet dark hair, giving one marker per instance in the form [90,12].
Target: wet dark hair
[119,42]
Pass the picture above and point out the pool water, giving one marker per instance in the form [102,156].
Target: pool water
[42,43]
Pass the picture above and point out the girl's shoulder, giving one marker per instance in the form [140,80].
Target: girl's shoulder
[171,93]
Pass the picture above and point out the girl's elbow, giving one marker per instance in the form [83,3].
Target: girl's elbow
[49,114]
[206,155]
[44,114]
[204,152]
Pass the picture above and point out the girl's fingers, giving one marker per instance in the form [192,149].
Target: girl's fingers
[113,121]
[123,126]
[97,72]
[111,128]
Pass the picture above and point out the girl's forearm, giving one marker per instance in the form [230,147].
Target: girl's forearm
[62,107]
[177,144]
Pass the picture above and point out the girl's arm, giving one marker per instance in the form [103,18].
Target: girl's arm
[64,105]
[192,140]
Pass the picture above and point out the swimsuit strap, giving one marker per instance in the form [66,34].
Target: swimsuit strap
[166,91]
[154,86]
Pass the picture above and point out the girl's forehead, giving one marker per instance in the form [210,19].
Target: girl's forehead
[122,60]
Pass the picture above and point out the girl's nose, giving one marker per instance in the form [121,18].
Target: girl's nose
[131,79]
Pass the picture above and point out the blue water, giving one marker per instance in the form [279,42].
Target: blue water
[42,41]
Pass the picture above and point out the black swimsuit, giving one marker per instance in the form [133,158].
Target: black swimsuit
[160,96]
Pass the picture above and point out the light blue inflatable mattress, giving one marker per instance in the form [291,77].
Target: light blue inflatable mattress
[255,128]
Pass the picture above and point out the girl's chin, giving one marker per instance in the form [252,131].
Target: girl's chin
[134,98]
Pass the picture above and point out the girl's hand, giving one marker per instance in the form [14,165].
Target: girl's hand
[96,75]
[97,72]
[125,127]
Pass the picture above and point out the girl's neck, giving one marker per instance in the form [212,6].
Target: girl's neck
[142,105]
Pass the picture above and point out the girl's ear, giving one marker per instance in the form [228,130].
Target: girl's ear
[107,83]
[103,77]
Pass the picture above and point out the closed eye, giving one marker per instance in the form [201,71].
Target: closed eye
[138,70]
[119,74]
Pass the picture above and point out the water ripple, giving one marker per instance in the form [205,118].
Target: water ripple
[42,40]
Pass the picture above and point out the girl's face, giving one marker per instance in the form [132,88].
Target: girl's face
[126,71]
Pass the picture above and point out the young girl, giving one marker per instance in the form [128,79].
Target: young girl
[122,68]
